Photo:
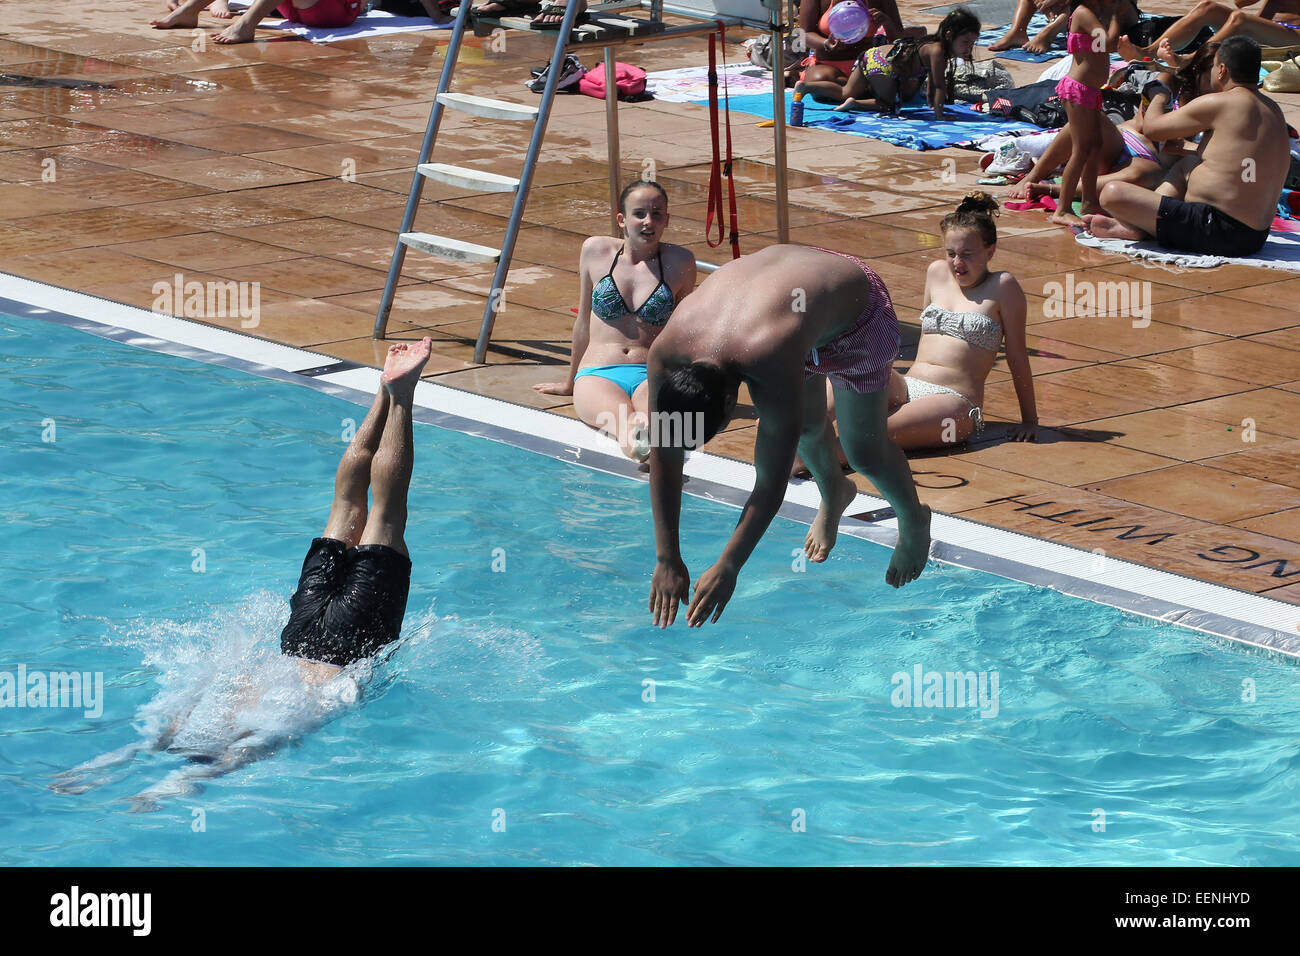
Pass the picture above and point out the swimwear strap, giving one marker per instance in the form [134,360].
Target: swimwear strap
[718,169]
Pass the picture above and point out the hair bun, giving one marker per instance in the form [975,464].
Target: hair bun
[979,202]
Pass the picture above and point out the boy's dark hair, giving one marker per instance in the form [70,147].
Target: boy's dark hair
[976,211]
[697,389]
[1241,55]
[633,186]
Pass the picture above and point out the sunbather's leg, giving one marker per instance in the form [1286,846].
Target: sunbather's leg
[604,405]
[1205,13]
[1043,41]
[1017,34]
[245,28]
[183,16]
[823,83]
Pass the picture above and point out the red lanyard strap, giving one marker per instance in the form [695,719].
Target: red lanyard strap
[719,169]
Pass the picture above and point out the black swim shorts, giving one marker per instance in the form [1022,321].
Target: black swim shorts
[1199,227]
[350,602]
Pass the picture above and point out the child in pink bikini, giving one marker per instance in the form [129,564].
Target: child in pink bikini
[1093,33]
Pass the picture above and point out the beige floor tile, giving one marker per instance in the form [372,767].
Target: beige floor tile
[1272,410]
[1283,296]
[1279,463]
[314,276]
[206,252]
[1281,524]
[1062,458]
[1149,381]
[1117,334]
[1244,360]
[1177,433]
[1200,492]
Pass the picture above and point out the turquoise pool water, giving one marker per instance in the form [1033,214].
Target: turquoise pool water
[518,697]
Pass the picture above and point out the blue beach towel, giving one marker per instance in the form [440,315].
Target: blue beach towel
[915,126]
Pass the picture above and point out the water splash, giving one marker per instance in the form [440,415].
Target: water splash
[228,697]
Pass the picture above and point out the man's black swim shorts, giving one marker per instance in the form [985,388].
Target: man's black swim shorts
[349,603]
[1199,227]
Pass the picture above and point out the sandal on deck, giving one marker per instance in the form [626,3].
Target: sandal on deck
[550,9]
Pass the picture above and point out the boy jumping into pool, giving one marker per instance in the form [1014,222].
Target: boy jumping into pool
[782,321]
[351,597]
[349,604]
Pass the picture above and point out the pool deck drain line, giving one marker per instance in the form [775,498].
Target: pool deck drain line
[1224,612]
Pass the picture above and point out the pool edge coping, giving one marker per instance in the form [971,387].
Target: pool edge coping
[1242,617]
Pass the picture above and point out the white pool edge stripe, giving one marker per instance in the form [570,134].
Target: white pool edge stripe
[1215,609]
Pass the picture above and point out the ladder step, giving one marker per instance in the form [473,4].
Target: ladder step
[446,248]
[490,109]
[469,178]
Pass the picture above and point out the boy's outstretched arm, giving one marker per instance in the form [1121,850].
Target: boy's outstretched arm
[779,425]
[671,581]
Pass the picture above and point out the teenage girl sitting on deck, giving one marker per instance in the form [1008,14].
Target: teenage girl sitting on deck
[607,370]
[885,77]
[970,312]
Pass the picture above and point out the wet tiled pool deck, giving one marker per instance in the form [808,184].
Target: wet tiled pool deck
[230,163]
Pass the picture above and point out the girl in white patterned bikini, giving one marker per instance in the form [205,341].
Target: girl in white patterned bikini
[969,313]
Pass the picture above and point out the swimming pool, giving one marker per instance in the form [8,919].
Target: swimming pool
[157,537]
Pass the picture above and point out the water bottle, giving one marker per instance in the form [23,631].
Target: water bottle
[796,110]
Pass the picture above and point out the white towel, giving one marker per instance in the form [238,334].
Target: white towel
[1282,251]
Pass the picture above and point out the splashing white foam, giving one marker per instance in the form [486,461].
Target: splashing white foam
[227,696]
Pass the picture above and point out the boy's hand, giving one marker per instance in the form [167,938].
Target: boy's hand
[712,592]
[668,588]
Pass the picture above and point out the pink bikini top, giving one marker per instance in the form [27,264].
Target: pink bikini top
[1077,42]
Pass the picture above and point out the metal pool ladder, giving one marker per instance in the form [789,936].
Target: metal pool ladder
[457,249]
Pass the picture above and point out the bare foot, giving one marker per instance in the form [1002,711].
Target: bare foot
[1087,209]
[1009,41]
[1129,50]
[911,552]
[221,10]
[1019,192]
[846,105]
[176,20]
[821,536]
[1165,51]
[238,32]
[1039,44]
[1104,227]
[402,368]
[1064,217]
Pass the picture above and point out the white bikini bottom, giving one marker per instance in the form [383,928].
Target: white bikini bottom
[918,388]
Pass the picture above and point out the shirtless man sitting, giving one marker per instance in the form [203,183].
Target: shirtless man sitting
[1240,165]
[782,321]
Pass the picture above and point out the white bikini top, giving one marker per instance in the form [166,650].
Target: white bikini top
[980,330]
